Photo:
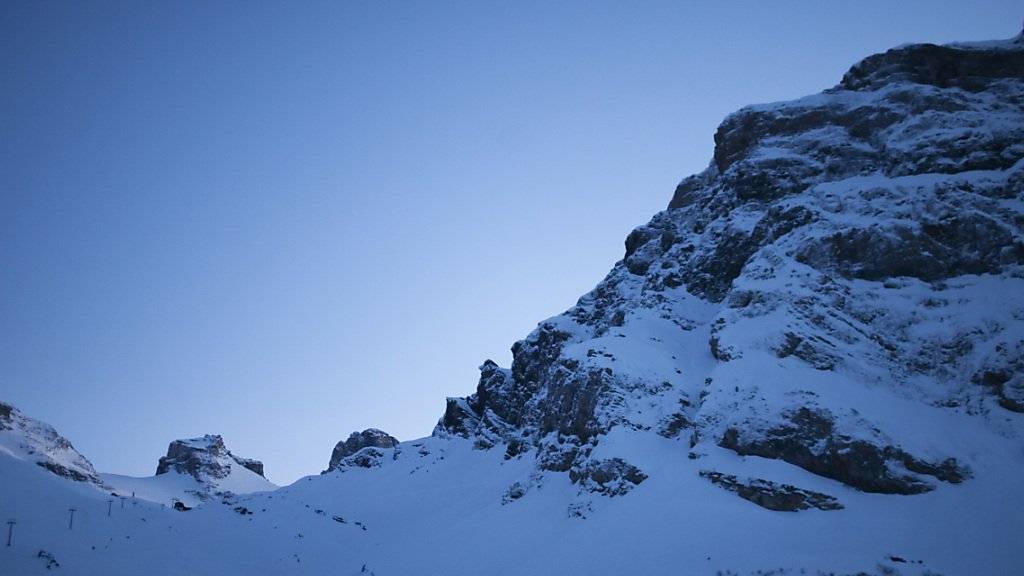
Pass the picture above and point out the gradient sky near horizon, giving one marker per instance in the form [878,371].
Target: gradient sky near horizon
[282,222]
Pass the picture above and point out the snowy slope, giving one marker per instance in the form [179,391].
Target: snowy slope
[811,363]
[438,509]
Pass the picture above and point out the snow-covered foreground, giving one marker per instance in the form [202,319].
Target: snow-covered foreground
[437,508]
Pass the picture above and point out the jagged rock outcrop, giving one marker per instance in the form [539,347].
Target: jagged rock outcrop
[771,495]
[1003,373]
[809,440]
[803,280]
[611,477]
[362,449]
[204,458]
[35,441]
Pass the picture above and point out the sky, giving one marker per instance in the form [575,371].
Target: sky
[283,222]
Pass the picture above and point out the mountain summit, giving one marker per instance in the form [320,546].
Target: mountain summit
[204,458]
[195,471]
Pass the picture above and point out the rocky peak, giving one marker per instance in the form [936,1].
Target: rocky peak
[889,114]
[204,458]
[971,67]
[370,440]
[35,441]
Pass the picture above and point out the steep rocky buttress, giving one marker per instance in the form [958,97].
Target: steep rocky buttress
[846,276]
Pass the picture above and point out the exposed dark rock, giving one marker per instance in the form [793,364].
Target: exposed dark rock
[531,357]
[773,496]
[810,351]
[6,416]
[611,477]
[65,472]
[571,403]
[690,191]
[254,465]
[1011,396]
[502,405]
[363,449]
[646,243]
[501,401]
[204,458]
[635,240]
[1004,375]
[497,392]
[515,448]
[557,457]
[811,442]
[718,351]
[579,510]
[965,244]
[767,180]
[942,66]
[459,418]
[710,271]
[514,492]
[674,424]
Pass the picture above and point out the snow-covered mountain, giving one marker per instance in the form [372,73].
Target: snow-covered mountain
[29,440]
[194,471]
[812,362]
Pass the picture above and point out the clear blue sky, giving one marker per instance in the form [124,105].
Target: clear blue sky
[283,223]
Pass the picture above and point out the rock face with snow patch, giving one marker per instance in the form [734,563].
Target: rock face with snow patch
[846,275]
[204,458]
[363,449]
[773,496]
[29,439]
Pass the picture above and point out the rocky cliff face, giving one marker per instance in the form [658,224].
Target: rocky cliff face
[29,439]
[846,276]
[205,458]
